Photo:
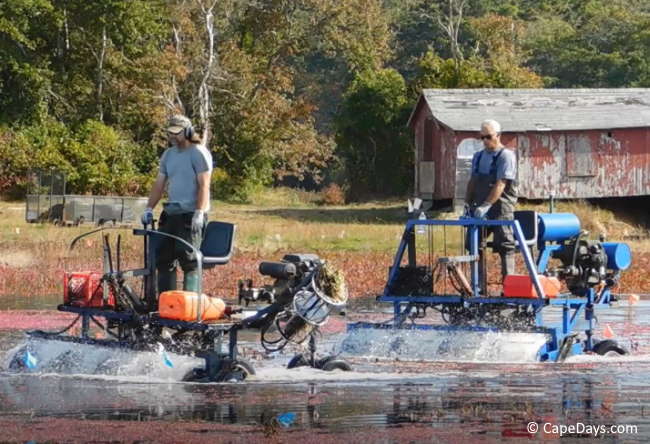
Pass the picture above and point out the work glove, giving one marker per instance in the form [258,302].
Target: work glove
[481,211]
[147,217]
[467,210]
[198,220]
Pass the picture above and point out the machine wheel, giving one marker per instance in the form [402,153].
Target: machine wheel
[196,375]
[332,363]
[239,371]
[609,347]
[298,361]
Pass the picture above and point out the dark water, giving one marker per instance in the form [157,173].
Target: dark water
[450,400]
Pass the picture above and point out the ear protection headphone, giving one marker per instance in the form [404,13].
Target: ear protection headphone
[189,132]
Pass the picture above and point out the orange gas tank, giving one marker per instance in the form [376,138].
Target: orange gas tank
[521,286]
[183,306]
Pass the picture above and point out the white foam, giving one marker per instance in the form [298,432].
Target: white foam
[61,357]
[363,348]
[438,345]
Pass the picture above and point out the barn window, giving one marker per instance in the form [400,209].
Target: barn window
[579,156]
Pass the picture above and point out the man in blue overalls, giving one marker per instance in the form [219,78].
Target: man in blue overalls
[492,192]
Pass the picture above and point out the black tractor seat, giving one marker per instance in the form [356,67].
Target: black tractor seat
[217,243]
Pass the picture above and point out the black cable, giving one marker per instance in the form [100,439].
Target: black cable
[266,347]
[575,248]
[60,331]
[264,341]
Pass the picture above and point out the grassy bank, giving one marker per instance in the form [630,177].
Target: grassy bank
[360,238]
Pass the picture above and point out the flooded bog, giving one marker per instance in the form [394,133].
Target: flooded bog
[469,390]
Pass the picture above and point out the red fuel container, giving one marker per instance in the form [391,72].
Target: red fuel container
[521,286]
[84,289]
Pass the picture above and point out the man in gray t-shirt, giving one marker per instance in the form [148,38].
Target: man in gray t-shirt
[491,191]
[185,169]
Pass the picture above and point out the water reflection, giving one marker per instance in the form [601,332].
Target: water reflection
[492,402]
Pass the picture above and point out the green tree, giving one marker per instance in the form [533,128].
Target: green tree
[25,74]
[95,159]
[371,134]
[601,44]
[498,60]
[108,61]
[501,37]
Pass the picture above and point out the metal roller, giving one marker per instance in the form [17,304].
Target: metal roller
[619,256]
[554,227]
[278,270]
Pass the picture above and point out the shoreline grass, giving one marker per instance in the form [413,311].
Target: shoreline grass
[361,238]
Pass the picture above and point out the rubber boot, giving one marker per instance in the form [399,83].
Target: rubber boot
[507,264]
[191,281]
[166,280]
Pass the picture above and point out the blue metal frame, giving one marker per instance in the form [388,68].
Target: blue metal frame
[573,306]
[473,226]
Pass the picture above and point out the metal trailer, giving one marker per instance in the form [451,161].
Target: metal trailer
[69,209]
[47,201]
[590,269]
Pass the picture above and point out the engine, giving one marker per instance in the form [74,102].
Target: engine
[305,290]
[584,263]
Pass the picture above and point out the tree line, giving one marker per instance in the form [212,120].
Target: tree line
[301,92]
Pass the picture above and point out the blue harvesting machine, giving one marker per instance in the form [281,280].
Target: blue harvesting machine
[565,272]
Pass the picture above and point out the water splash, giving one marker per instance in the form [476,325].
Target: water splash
[436,345]
[71,358]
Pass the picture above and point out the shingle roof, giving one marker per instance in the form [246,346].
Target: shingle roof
[540,109]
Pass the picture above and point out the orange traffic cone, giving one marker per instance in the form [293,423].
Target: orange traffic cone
[608,332]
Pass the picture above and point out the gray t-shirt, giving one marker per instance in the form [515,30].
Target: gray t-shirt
[506,163]
[181,167]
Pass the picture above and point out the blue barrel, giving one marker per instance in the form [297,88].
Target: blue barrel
[619,256]
[558,226]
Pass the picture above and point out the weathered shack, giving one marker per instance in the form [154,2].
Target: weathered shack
[572,143]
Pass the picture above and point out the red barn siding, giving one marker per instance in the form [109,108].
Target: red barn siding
[569,164]
[431,139]
[584,164]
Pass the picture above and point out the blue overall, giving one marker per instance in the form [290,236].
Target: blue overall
[502,209]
